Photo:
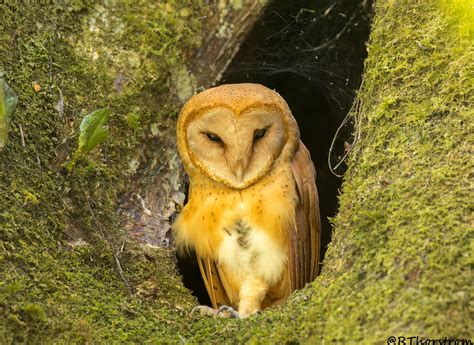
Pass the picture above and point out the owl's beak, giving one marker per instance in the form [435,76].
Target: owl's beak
[239,171]
[238,160]
[239,167]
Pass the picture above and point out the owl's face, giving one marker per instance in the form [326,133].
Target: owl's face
[236,149]
[234,133]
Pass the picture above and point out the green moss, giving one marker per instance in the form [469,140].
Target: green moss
[60,234]
[400,260]
[461,16]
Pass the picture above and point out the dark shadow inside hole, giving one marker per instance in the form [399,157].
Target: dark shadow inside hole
[312,54]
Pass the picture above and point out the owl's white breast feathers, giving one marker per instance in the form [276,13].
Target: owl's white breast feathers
[260,256]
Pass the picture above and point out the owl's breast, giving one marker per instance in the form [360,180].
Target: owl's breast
[249,251]
[244,230]
[256,228]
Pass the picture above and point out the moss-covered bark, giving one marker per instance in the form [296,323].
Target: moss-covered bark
[401,258]
[60,234]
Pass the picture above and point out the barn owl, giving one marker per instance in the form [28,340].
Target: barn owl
[252,215]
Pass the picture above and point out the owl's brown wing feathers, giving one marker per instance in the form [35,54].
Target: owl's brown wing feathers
[305,237]
[213,283]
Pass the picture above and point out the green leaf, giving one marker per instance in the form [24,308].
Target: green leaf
[93,131]
[8,102]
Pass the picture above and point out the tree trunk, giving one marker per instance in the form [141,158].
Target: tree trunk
[73,269]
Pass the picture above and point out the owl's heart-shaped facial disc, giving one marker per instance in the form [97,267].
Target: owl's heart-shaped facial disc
[234,133]
[235,149]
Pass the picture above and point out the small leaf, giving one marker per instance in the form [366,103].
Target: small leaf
[93,131]
[8,102]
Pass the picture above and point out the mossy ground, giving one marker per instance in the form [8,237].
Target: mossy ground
[401,258]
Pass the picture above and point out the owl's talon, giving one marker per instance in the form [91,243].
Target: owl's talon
[204,310]
[227,312]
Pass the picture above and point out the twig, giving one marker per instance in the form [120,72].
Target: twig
[50,73]
[119,267]
[22,135]
[116,254]
[354,111]
[60,105]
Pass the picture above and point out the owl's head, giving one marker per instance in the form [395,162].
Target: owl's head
[234,133]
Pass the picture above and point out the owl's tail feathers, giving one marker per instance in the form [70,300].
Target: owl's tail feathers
[213,283]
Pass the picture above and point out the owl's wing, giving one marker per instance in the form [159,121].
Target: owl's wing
[212,281]
[306,235]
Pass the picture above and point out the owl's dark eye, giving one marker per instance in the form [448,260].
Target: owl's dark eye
[259,133]
[214,137]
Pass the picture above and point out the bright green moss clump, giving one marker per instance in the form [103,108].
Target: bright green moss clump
[401,258]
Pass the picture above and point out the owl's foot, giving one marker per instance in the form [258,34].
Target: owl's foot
[224,311]
[227,312]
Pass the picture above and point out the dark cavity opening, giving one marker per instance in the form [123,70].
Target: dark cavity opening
[312,53]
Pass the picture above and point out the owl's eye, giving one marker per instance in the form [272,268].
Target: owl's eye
[214,137]
[259,133]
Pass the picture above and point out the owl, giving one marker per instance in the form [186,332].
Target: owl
[252,215]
